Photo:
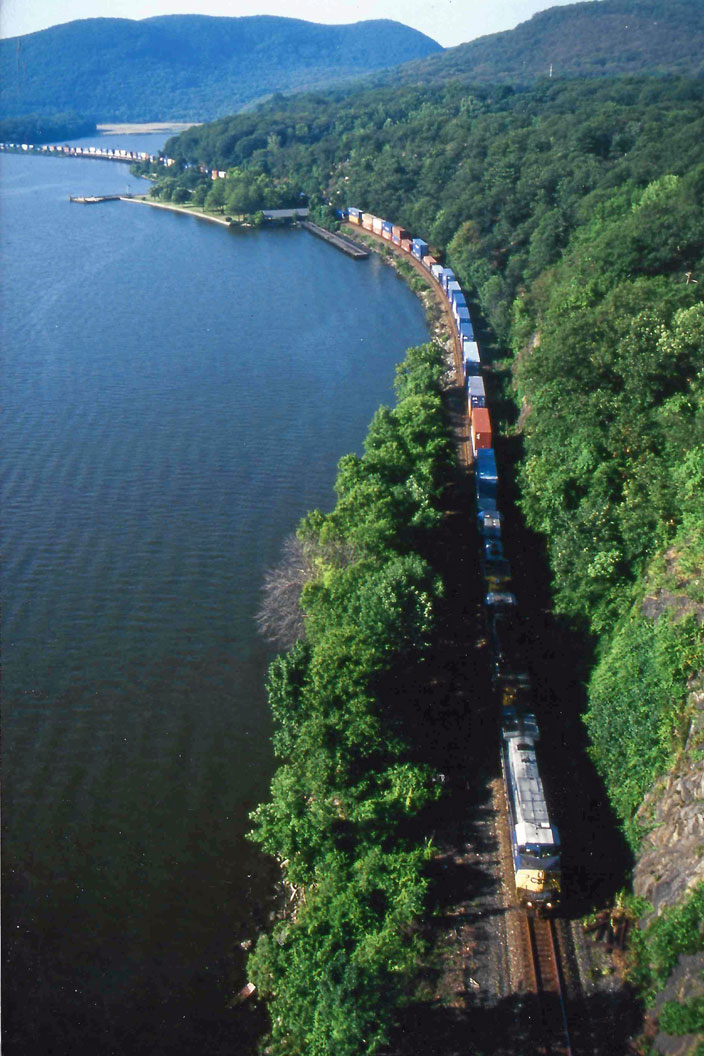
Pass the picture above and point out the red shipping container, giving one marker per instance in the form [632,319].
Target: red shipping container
[428,261]
[481,429]
[406,244]
[398,232]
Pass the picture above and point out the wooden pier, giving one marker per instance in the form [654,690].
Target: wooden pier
[92,199]
[352,249]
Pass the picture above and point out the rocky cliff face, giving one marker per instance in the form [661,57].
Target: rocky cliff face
[671,860]
[671,863]
[685,983]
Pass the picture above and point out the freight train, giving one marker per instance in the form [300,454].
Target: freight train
[535,843]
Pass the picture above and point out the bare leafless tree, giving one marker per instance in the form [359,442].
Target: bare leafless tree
[281,619]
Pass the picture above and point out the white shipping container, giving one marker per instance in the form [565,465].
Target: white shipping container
[470,351]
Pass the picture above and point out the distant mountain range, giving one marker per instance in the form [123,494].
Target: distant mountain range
[189,67]
[595,39]
[197,68]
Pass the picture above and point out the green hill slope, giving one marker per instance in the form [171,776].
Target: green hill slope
[587,40]
[191,67]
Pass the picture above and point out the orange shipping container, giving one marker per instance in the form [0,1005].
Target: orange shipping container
[406,244]
[428,261]
[367,221]
[481,429]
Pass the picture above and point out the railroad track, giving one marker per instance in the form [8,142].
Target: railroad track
[548,984]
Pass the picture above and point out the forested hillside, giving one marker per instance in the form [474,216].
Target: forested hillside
[193,67]
[599,39]
[188,67]
[573,211]
[46,129]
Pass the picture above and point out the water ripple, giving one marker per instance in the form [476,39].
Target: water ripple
[176,398]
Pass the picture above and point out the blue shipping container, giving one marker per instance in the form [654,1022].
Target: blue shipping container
[465,330]
[419,248]
[475,386]
[486,464]
[485,493]
[462,315]
[486,504]
[386,225]
[458,295]
[447,275]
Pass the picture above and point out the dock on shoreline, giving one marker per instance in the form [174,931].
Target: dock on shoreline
[345,245]
[92,199]
[352,249]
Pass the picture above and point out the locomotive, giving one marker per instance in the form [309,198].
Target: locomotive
[535,843]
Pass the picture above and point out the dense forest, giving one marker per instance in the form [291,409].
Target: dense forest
[189,67]
[48,128]
[573,213]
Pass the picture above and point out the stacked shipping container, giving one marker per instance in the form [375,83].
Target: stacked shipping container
[480,421]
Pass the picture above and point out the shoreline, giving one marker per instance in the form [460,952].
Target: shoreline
[128,128]
[178,209]
[442,329]
[439,330]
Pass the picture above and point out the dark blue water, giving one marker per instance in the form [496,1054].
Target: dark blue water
[176,397]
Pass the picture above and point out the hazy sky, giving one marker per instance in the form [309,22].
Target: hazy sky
[447,21]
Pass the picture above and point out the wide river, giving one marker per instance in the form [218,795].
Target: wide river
[176,396]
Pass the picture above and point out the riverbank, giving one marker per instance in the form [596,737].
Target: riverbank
[152,128]
[438,312]
[178,209]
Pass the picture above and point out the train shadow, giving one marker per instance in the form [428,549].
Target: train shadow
[596,859]
[602,1023]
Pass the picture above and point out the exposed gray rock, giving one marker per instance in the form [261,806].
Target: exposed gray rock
[685,983]
[671,859]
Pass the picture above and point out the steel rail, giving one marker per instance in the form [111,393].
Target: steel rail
[548,978]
